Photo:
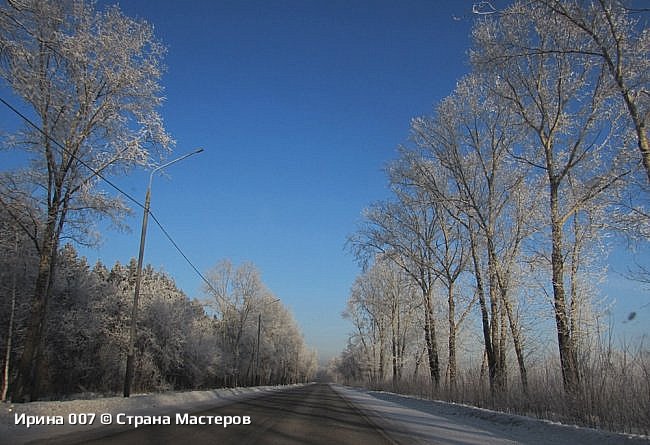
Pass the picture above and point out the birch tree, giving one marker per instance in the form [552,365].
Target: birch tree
[618,34]
[449,252]
[91,79]
[363,303]
[258,336]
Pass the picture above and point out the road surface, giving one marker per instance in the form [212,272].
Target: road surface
[309,415]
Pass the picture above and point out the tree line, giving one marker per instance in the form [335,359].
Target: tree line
[503,202]
[181,343]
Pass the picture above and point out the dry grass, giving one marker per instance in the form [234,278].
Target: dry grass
[614,396]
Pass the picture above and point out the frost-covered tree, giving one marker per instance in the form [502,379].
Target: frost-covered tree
[617,34]
[572,121]
[71,334]
[91,80]
[17,260]
[236,291]
[461,158]
[259,339]
[405,231]
[367,311]
[382,307]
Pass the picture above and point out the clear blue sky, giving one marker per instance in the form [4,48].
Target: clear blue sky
[299,105]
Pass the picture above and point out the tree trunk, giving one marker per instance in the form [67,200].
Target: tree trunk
[382,355]
[430,339]
[637,119]
[497,321]
[452,338]
[573,305]
[566,345]
[418,361]
[393,348]
[394,345]
[25,384]
[485,318]
[503,355]
[10,333]
[516,340]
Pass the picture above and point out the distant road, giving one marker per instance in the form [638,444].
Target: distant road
[308,415]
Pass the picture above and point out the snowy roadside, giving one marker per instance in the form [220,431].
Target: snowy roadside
[427,422]
[167,403]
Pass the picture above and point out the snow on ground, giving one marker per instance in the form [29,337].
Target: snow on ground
[418,421]
[166,403]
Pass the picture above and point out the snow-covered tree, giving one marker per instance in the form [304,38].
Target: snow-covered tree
[91,80]
[616,33]
[572,123]
[258,337]
[382,307]
[405,231]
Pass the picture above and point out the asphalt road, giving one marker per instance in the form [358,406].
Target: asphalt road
[309,415]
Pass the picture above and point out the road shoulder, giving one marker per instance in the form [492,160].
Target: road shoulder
[426,421]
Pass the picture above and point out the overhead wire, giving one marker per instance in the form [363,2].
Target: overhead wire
[171,240]
[81,161]
[114,186]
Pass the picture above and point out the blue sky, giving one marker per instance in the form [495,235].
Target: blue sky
[299,105]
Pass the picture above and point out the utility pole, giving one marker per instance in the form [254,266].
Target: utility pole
[128,376]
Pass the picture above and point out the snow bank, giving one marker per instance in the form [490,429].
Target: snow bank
[139,404]
[418,421]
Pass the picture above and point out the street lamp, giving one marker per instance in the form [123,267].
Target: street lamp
[257,350]
[128,376]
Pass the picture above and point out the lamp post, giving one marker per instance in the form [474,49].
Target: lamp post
[257,350]
[128,376]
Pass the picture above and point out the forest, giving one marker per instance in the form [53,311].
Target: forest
[93,98]
[482,273]
[181,343]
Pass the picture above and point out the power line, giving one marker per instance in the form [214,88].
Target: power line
[81,161]
[118,189]
[171,240]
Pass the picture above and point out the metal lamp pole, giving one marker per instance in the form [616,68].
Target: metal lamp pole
[128,376]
